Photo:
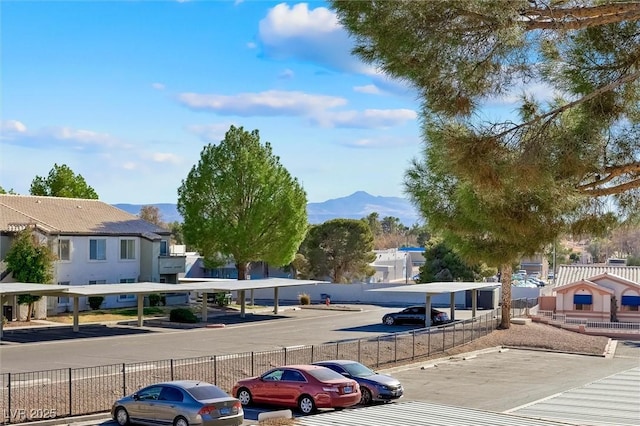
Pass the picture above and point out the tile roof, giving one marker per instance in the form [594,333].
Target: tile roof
[568,274]
[56,215]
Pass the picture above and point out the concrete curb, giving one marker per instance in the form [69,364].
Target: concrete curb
[88,420]
[332,308]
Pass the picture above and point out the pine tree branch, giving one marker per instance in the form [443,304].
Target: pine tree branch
[612,172]
[554,112]
[580,17]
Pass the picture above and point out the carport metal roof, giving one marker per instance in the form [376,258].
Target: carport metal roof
[202,285]
[430,289]
[9,289]
[437,288]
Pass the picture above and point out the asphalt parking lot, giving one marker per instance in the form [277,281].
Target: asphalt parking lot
[486,383]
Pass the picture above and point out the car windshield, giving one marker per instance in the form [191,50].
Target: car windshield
[202,393]
[325,374]
[358,370]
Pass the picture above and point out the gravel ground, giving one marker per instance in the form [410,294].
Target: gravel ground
[537,336]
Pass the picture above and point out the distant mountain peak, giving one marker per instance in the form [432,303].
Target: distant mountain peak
[355,206]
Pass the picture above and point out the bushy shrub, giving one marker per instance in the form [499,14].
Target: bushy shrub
[221,300]
[183,315]
[304,298]
[155,299]
[95,302]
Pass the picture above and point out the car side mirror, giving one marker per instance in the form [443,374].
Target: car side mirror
[345,374]
[136,397]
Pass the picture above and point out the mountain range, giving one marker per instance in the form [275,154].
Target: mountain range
[355,206]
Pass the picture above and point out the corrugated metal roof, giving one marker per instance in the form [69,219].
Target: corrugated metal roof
[614,400]
[416,413]
[568,274]
[71,216]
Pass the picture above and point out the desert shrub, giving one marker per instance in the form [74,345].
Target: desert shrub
[304,298]
[155,299]
[183,315]
[95,302]
[221,299]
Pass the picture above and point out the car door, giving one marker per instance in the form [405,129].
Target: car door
[169,405]
[419,315]
[143,408]
[291,386]
[267,388]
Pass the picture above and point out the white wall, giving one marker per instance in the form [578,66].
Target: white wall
[79,270]
[358,293]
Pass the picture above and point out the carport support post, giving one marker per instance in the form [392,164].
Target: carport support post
[452,304]
[243,303]
[427,311]
[2,316]
[76,314]
[140,309]
[474,302]
[205,312]
[275,300]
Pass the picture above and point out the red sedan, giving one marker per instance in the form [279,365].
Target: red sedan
[306,387]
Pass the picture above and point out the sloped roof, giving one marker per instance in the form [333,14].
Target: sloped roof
[568,274]
[587,283]
[56,215]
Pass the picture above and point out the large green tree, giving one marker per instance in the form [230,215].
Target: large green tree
[442,263]
[62,182]
[240,201]
[29,261]
[340,249]
[501,188]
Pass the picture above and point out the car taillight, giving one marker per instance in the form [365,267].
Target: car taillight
[207,409]
[331,389]
[237,405]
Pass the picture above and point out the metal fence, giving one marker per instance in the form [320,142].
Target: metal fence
[78,391]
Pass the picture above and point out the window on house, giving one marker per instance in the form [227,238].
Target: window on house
[630,303]
[583,302]
[92,282]
[126,297]
[64,249]
[98,249]
[127,249]
[164,248]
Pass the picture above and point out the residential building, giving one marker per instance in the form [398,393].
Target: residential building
[597,293]
[391,265]
[95,243]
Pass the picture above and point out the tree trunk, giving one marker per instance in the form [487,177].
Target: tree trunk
[505,278]
[242,270]
[29,311]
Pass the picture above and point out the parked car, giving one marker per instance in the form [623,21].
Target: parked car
[179,403]
[374,387]
[306,387]
[415,315]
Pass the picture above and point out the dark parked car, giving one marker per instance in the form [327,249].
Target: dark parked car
[306,387]
[415,315]
[179,403]
[374,387]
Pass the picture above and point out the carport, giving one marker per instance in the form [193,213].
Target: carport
[431,289]
[15,289]
[241,286]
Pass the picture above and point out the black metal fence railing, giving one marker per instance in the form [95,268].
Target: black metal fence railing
[78,391]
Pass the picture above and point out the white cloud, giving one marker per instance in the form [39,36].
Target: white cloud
[382,142]
[251,45]
[286,74]
[129,165]
[16,132]
[165,157]
[370,89]
[209,132]
[268,103]
[158,86]
[311,35]
[11,127]
[237,2]
[367,119]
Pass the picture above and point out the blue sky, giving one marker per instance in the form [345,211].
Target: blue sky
[127,93]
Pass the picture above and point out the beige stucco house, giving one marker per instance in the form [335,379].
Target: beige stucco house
[603,297]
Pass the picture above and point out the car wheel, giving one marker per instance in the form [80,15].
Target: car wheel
[388,320]
[306,404]
[180,421]
[366,397]
[122,417]
[244,396]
